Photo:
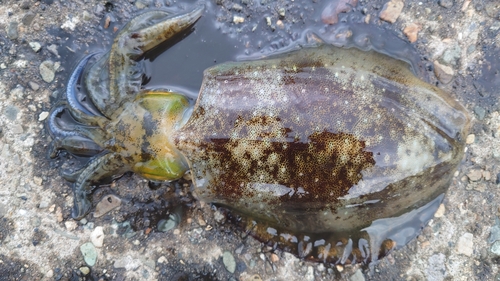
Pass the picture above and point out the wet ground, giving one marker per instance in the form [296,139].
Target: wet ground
[41,41]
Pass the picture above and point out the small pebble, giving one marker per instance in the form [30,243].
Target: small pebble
[162,259]
[86,16]
[38,180]
[108,203]
[70,225]
[168,224]
[97,237]
[487,175]
[465,244]
[53,49]
[238,19]
[274,258]
[411,31]
[281,12]
[28,18]
[12,30]
[43,204]
[89,253]
[237,7]
[49,274]
[391,11]
[201,221]
[59,214]
[84,270]
[43,115]
[229,262]
[47,71]
[494,232]
[470,139]
[443,73]
[25,5]
[35,46]
[452,55]
[440,211]
[475,175]
[34,86]
[495,248]
[445,3]
[480,112]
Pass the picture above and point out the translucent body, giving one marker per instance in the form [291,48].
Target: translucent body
[321,142]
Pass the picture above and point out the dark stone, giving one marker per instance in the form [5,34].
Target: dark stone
[12,30]
[28,18]
[25,5]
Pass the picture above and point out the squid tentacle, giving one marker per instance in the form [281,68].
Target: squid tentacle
[74,104]
[98,169]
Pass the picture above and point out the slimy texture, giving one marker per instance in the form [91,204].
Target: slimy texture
[335,155]
[320,143]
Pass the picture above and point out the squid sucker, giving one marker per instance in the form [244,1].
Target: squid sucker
[335,155]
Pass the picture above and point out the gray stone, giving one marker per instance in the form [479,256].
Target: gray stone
[34,86]
[28,18]
[53,49]
[436,269]
[357,276]
[25,5]
[35,46]
[492,9]
[465,244]
[480,112]
[495,248]
[494,233]
[229,262]
[451,55]
[86,16]
[170,223]
[89,253]
[11,112]
[12,30]
[47,71]
[43,204]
